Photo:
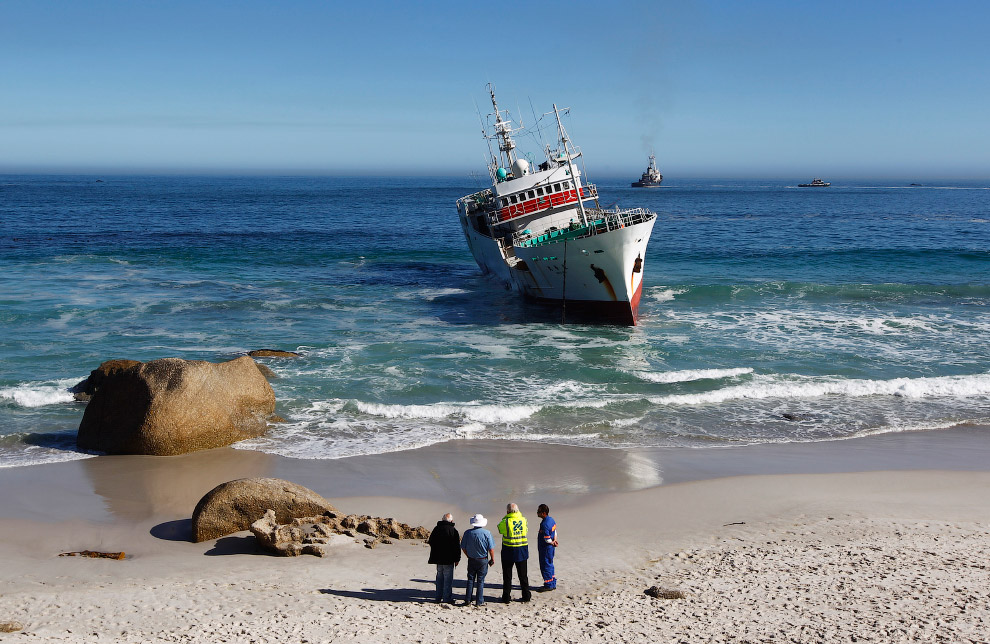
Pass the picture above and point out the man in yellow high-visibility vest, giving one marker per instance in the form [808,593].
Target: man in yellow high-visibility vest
[515,552]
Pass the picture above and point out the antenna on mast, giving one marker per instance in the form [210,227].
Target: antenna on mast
[503,129]
[491,160]
[570,166]
[539,130]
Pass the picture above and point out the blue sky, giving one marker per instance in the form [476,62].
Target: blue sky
[729,89]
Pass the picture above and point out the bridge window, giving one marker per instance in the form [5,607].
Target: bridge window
[539,192]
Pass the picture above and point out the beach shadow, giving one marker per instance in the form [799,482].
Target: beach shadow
[178,530]
[424,594]
[237,546]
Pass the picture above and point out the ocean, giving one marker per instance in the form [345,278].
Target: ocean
[770,313]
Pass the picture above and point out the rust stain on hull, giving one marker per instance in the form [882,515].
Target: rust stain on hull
[603,279]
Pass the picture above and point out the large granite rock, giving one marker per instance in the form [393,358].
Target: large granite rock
[173,406]
[84,391]
[233,506]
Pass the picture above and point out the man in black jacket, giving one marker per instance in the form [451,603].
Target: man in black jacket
[445,552]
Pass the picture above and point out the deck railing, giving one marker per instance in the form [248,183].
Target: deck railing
[599,221]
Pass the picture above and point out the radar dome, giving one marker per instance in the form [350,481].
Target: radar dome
[520,167]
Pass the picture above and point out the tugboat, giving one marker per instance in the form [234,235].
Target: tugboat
[542,232]
[817,183]
[651,178]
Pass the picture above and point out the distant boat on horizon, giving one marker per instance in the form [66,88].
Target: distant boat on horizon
[651,178]
[817,183]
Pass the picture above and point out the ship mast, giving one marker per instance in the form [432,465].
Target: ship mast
[502,130]
[570,166]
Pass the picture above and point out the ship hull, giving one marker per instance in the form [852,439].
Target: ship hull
[597,278]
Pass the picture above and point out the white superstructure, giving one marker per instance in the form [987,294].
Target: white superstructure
[542,232]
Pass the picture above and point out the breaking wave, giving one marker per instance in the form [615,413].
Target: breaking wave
[472,412]
[765,387]
[690,375]
[39,394]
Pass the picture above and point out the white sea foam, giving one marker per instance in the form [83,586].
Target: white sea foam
[776,387]
[35,455]
[39,394]
[440,411]
[625,422]
[908,427]
[308,445]
[690,375]
[429,294]
[666,295]
[470,430]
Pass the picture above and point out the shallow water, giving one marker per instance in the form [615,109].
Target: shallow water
[770,313]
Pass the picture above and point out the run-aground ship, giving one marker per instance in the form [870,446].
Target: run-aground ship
[543,233]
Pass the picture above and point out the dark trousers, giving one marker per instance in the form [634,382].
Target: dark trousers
[507,578]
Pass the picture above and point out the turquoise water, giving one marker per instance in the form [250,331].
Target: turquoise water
[770,313]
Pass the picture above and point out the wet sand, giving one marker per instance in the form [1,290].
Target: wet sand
[767,542]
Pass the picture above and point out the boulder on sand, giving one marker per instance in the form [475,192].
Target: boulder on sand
[173,406]
[84,391]
[233,506]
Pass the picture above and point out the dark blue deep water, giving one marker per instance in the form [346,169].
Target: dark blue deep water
[856,309]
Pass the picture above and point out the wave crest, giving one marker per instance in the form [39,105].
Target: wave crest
[773,387]
[690,375]
[39,394]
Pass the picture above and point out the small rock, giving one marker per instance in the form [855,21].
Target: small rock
[273,353]
[664,593]
[11,627]
[266,371]
[314,549]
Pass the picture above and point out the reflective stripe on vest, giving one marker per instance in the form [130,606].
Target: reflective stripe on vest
[515,530]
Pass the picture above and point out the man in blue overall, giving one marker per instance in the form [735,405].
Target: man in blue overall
[547,544]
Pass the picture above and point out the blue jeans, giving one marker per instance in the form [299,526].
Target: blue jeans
[476,571]
[445,582]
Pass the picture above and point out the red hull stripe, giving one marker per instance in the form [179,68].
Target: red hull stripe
[540,203]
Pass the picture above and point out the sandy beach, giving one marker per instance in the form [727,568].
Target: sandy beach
[798,543]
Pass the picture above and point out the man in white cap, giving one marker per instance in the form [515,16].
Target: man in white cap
[479,548]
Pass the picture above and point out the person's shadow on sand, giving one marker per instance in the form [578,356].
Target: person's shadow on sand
[425,593]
